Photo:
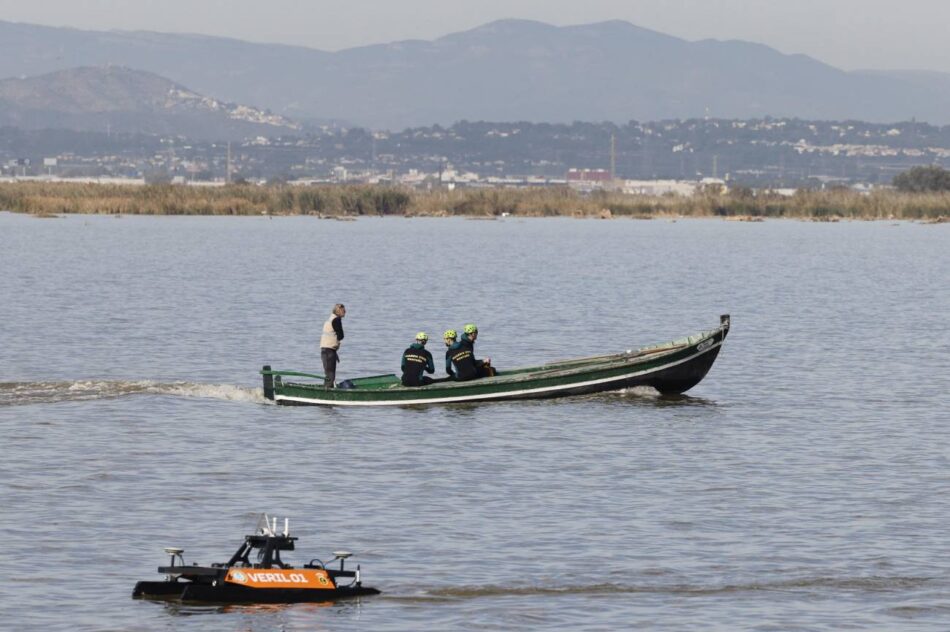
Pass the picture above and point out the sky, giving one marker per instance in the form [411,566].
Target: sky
[849,34]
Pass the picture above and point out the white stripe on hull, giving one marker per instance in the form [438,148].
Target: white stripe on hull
[495,396]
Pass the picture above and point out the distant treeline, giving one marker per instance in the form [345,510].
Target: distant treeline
[337,201]
[927,179]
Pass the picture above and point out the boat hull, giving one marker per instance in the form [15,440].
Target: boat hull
[222,593]
[671,369]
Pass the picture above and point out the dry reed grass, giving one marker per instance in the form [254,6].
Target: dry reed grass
[40,198]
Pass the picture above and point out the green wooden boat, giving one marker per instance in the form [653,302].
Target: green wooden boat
[671,368]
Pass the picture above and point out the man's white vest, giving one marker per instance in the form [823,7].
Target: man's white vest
[329,340]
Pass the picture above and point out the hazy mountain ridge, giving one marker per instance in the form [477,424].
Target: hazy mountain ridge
[122,99]
[504,70]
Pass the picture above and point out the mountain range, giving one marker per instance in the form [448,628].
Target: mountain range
[507,70]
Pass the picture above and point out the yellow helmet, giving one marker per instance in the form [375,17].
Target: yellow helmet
[422,336]
[471,328]
[450,334]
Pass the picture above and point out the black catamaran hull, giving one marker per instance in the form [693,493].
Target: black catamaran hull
[207,593]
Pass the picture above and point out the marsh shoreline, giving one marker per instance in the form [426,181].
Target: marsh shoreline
[351,201]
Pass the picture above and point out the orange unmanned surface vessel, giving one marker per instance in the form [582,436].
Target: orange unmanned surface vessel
[265,578]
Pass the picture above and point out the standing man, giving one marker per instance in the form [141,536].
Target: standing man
[330,343]
[416,361]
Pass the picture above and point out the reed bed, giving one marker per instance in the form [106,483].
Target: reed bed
[46,199]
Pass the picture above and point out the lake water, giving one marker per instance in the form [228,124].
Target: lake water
[802,485]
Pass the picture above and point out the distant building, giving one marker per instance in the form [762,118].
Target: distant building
[714,185]
[588,175]
[685,188]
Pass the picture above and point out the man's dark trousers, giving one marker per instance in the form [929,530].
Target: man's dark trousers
[330,359]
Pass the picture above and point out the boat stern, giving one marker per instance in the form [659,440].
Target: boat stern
[268,382]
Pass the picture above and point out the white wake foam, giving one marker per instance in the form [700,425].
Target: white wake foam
[212,391]
[25,393]
[647,392]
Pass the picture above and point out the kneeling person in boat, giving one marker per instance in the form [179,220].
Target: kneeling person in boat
[449,337]
[416,362]
[462,354]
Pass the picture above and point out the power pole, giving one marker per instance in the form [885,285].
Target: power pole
[613,157]
[645,159]
[227,179]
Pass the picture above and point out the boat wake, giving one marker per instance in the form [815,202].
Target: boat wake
[807,584]
[644,392]
[27,393]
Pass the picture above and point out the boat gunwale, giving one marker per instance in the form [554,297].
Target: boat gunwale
[492,395]
[611,372]
[552,370]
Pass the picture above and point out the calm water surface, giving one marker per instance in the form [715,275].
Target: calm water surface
[803,485]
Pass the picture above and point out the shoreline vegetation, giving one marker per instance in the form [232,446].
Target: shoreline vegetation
[351,201]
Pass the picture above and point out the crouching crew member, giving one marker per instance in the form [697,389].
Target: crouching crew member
[449,338]
[463,357]
[416,361]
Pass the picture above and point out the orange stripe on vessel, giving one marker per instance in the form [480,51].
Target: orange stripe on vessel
[309,578]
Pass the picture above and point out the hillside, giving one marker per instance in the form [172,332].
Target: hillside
[124,100]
